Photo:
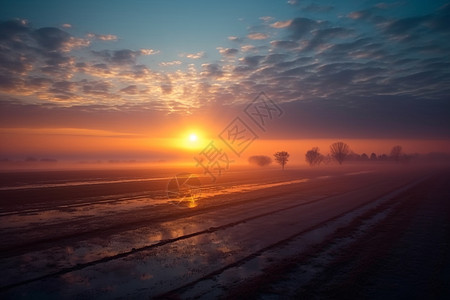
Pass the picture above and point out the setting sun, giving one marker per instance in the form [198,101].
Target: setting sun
[191,140]
[193,137]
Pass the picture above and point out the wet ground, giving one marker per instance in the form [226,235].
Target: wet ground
[119,235]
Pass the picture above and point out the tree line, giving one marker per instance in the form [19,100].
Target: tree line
[339,152]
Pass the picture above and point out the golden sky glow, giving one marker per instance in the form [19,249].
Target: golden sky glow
[84,144]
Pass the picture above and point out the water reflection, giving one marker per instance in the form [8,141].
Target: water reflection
[180,260]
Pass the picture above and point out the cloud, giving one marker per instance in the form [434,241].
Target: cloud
[228,52]
[247,48]
[51,38]
[417,28]
[357,15]
[166,88]
[372,15]
[131,90]
[12,64]
[75,43]
[66,25]
[248,64]
[148,51]
[39,64]
[404,26]
[292,2]
[63,87]
[281,24]
[54,39]
[275,58]
[235,39]
[257,36]
[197,55]
[96,87]
[8,83]
[378,117]
[252,61]
[300,27]
[63,90]
[39,82]
[13,29]
[170,63]
[326,35]
[102,37]
[266,18]
[284,44]
[211,70]
[120,57]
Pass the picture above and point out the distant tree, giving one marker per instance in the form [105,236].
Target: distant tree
[383,157]
[373,156]
[364,157]
[352,156]
[339,151]
[282,158]
[313,157]
[396,153]
[260,160]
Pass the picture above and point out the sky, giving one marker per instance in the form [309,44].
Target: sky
[133,80]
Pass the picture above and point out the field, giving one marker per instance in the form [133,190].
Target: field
[358,231]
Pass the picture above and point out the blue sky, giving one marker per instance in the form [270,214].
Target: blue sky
[344,69]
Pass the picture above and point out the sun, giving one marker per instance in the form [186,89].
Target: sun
[193,140]
[193,137]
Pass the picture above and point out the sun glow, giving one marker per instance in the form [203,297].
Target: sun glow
[193,137]
[192,140]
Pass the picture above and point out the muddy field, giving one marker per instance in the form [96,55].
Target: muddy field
[254,233]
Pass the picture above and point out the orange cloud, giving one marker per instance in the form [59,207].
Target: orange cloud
[170,63]
[107,37]
[197,55]
[247,48]
[149,51]
[257,36]
[102,37]
[281,24]
[74,43]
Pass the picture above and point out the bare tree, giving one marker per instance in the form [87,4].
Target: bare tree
[282,158]
[396,153]
[313,157]
[339,151]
